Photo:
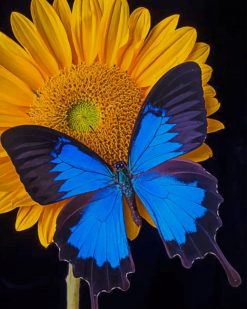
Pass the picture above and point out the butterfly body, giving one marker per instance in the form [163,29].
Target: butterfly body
[180,196]
[123,179]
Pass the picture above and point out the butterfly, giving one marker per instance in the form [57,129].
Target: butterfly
[180,196]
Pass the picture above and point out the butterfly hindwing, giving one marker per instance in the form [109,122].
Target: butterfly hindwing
[91,235]
[182,200]
[53,166]
[172,121]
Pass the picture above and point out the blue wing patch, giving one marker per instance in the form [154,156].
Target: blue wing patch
[172,121]
[182,199]
[152,144]
[53,166]
[80,171]
[91,235]
[173,204]
[96,234]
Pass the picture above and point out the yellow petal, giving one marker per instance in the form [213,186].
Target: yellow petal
[6,167]
[27,34]
[113,31]
[214,125]
[8,182]
[209,91]
[143,212]
[202,153]
[63,11]
[158,35]
[23,200]
[21,66]
[9,185]
[86,17]
[154,44]
[212,105]
[206,73]
[28,216]
[47,223]
[199,53]
[9,109]
[52,31]
[14,90]
[101,4]
[13,121]
[139,25]
[132,229]
[172,52]
[6,204]
[3,152]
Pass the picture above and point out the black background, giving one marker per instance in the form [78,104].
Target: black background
[32,277]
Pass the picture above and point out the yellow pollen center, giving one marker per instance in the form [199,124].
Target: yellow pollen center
[83,116]
[94,104]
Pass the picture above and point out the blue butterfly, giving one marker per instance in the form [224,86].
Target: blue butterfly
[180,196]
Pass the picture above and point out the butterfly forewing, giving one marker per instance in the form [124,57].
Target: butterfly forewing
[172,120]
[53,166]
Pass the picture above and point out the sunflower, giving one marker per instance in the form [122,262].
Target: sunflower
[86,72]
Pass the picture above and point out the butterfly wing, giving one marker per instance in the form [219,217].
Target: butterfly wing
[182,199]
[172,121]
[91,235]
[180,196]
[53,166]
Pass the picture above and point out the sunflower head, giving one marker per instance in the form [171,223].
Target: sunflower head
[93,104]
[85,71]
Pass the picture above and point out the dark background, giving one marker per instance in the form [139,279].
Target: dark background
[32,277]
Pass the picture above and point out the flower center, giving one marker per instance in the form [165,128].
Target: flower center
[95,104]
[83,116]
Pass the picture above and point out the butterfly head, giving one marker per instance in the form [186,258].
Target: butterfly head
[121,165]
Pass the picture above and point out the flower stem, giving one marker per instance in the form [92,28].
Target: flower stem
[73,289]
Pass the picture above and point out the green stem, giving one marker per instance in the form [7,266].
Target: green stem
[73,290]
